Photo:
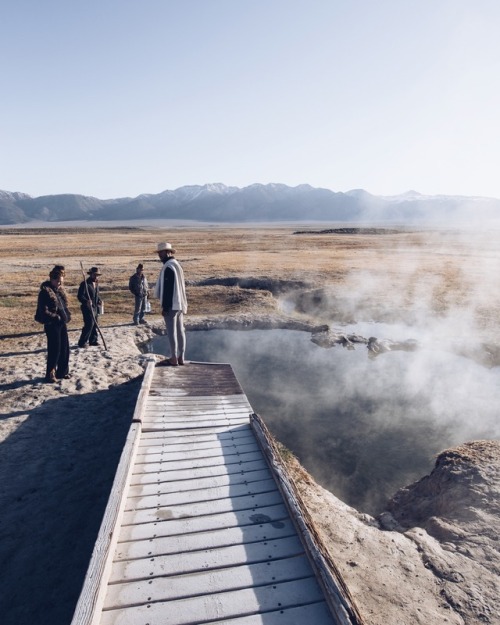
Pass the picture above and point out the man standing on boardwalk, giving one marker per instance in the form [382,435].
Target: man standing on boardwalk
[138,285]
[88,296]
[170,289]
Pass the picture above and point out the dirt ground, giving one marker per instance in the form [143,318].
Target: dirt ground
[60,444]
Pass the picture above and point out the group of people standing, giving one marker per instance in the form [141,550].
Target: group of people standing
[53,312]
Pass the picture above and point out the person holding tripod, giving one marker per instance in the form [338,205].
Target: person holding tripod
[88,296]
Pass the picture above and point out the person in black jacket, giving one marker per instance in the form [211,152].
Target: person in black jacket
[52,310]
[88,296]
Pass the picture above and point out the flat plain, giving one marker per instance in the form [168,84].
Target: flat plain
[408,276]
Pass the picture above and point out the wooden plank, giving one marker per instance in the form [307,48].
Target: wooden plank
[189,415]
[183,383]
[200,442]
[192,413]
[206,559]
[196,407]
[219,433]
[203,392]
[207,421]
[188,473]
[196,496]
[168,397]
[195,404]
[159,425]
[164,396]
[201,415]
[175,527]
[195,484]
[194,434]
[193,438]
[223,537]
[197,463]
[208,582]
[158,454]
[312,614]
[202,508]
[197,610]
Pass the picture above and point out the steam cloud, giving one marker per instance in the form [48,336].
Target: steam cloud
[365,427]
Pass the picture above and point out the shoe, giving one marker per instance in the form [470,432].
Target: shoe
[166,363]
[181,360]
[94,344]
[83,346]
[135,323]
[143,321]
[51,377]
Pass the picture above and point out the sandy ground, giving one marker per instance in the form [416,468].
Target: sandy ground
[60,444]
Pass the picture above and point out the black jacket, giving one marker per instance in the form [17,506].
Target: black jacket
[93,293]
[52,305]
[168,288]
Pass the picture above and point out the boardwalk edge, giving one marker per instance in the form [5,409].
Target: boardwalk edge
[89,605]
[337,593]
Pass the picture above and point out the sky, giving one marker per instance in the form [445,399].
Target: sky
[115,98]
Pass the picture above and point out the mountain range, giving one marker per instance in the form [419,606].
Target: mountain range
[254,203]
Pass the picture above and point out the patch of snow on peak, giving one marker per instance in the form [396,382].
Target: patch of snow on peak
[14,195]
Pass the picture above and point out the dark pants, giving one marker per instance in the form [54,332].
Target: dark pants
[57,349]
[89,330]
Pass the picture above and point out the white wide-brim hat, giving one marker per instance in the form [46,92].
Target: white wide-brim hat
[165,246]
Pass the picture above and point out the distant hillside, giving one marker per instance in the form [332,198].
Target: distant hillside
[255,203]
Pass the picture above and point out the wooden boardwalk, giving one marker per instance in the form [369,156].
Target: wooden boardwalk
[199,528]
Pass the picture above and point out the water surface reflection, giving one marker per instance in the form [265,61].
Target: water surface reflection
[363,427]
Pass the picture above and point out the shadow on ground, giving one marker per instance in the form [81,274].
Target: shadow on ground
[56,472]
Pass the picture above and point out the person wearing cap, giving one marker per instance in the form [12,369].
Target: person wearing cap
[52,310]
[88,296]
[170,289]
[138,285]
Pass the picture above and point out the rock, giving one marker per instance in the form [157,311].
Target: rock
[453,516]
[462,491]
[380,346]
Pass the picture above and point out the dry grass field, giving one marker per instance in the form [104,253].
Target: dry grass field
[409,276]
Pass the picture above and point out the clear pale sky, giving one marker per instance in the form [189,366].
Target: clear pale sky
[115,98]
